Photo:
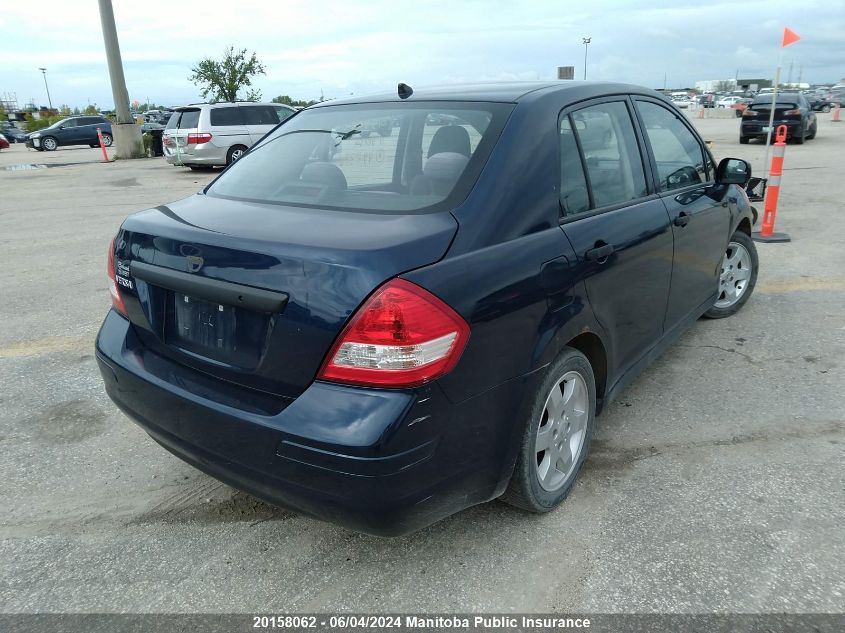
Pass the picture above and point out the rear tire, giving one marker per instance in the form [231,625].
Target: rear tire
[234,153]
[107,139]
[737,278]
[812,134]
[556,436]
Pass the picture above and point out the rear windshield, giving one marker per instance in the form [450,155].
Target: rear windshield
[389,157]
[184,119]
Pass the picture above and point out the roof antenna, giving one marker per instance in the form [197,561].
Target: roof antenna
[405,91]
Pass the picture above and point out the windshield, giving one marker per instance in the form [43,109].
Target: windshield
[381,157]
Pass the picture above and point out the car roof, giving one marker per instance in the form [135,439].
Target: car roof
[506,91]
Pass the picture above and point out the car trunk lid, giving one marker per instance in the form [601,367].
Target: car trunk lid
[255,293]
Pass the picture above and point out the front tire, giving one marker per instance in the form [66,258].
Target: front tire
[49,143]
[556,436]
[737,277]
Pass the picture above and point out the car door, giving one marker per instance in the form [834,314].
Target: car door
[617,226]
[68,133]
[259,120]
[683,172]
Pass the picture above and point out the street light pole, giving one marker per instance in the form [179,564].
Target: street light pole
[49,101]
[586,41]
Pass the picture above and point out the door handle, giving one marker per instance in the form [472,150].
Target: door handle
[600,253]
[682,219]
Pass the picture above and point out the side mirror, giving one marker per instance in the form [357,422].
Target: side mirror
[733,171]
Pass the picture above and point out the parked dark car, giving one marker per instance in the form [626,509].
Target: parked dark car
[77,130]
[826,102]
[382,331]
[707,100]
[791,109]
[13,134]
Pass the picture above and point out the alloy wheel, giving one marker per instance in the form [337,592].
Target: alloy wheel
[561,432]
[734,276]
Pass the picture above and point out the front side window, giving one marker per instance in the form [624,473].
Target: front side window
[380,157]
[677,152]
[609,145]
[69,123]
[260,115]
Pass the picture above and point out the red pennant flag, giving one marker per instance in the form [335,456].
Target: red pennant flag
[789,37]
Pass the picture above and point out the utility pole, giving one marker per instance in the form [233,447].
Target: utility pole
[49,100]
[127,135]
[586,41]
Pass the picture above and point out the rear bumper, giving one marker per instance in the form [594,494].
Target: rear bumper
[378,461]
[755,129]
[202,154]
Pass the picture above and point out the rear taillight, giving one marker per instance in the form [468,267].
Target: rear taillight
[116,297]
[795,112]
[198,138]
[402,336]
[165,139]
[748,112]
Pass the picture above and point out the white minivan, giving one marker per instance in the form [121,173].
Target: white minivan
[203,135]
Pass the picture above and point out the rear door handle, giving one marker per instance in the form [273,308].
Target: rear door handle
[682,219]
[599,253]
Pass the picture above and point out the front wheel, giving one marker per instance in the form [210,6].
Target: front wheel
[826,109]
[49,143]
[737,276]
[556,436]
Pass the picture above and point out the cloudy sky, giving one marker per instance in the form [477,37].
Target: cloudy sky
[343,46]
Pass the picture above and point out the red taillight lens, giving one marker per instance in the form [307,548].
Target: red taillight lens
[198,138]
[116,297]
[748,112]
[795,112]
[402,336]
[165,139]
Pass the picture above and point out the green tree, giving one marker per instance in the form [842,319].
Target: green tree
[286,100]
[224,79]
[91,109]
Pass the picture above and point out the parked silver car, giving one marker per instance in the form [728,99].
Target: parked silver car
[203,135]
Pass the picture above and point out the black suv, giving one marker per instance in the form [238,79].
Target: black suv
[77,130]
[791,109]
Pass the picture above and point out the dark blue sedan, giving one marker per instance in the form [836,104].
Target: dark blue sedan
[380,329]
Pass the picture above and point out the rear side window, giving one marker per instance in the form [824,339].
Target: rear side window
[259,115]
[221,117]
[183,120]
[574,195]
[677,152]
[609,145]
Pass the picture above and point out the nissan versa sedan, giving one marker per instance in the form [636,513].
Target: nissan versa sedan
[382,330]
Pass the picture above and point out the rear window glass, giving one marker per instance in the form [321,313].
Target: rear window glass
[184,120]
[221,117]
[380,157]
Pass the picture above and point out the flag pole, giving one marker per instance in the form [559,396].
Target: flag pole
[772,113]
